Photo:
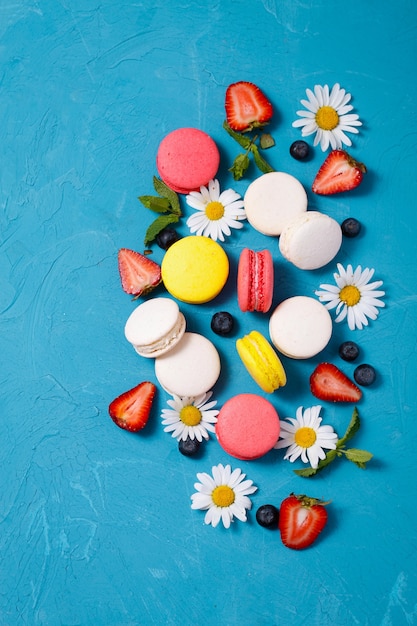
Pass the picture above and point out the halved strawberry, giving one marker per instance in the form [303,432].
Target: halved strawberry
[138,273]
[301,520]
[339,172]
[246,106]
[131,410]
[328,382]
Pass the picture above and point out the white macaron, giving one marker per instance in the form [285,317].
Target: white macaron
[311,240]
[300,327]
[191,368]
[272,200]
[155,327]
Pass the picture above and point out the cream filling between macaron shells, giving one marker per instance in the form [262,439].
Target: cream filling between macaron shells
[155,327]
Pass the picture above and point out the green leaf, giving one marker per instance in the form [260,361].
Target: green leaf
[165,191]
[266,141]
[260,161]
[243,141]
[240,165]
[359,457]
[155,203]
[353,428]
[159,224]
[311,471]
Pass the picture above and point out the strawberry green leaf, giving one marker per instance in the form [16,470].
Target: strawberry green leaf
[240,165]
[155,203]
[159,224]
[260,161]
[311,471]
[243,141]
[266,141]
[165,191]
[353,428]
[359,457]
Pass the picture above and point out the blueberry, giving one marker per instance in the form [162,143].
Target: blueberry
[267,516]
[351,227]
[299,150]
[364,375]
[166,238]
[349,350]
[222,323]
[188,447]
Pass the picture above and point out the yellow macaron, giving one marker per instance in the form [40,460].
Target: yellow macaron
[195,269]
[261,361]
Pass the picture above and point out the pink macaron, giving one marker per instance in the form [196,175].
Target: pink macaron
[247,426]
[187,159]
[255,280]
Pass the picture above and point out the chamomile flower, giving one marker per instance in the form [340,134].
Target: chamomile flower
[224,495]
[190,417]
[328,115]
[305,437]
[216,213]
[353,296]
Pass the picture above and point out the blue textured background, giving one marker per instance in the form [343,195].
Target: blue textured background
[96,525]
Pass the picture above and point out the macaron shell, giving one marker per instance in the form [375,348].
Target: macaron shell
[191,368]
[261,361]
[187,158]
[300,327]
[273,200]
[247,426]
[155,327]
[255,280]
[311,240]
[195,269]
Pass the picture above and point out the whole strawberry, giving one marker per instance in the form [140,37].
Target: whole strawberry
[301,520]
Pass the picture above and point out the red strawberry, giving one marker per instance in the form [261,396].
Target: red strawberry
[246,106]
[138,273]
[130,411]
[301,520]
[327,382]
[339,172]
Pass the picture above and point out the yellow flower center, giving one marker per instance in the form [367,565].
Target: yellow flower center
[190,415]
[223,496]
[214,210]
[350,295]
[305,437]
[327,118]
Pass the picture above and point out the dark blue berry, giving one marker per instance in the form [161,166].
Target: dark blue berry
[188,447]
[166,238]
[364,375]
[267,516]
[351,227]
[349,350]
[222,323]
[299,150]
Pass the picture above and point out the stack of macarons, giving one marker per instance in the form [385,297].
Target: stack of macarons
[186,364]
[276,205]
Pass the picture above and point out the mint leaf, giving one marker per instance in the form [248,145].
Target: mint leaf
[353,428]
[165,191]
[266,141]
[243,141]
[159,224]
[359,457]
[155,203]
[311,471]
[240,165]
[260,161]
